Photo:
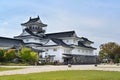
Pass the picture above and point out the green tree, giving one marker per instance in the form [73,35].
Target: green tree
[34,57]
[109,50]
[10,55]
[1,55]
[102,56]
[28,56]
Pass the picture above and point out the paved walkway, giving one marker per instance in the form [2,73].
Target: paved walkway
[47,68]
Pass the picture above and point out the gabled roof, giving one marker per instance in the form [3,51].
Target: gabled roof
[60,42]
[34,21]
[80,44]
[61,34]
[86,40]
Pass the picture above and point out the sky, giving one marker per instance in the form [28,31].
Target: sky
[97,20]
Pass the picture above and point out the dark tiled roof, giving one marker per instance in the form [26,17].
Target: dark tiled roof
[80,44]
[60,42]
[85,39]
[29,32]
[34,21]
[49,45]
[36,50]
[10,42]
[33,43]
[61,34]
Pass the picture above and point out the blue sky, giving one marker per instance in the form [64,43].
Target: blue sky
[98,20]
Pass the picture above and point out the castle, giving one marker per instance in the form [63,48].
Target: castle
[64,47]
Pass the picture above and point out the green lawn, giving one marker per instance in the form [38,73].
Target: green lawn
[6,69]
[67,75]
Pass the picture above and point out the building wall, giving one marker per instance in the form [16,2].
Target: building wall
[82,59]
[71,41]
[35,40]
[58,51]
[83,51]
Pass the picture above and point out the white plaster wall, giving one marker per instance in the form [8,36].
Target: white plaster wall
[71,41]
[58,54]
[61,50]
[35,40]
[50,51]
[82,51]
[31,40]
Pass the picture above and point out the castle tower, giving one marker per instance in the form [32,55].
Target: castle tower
[33,32]
[35,25]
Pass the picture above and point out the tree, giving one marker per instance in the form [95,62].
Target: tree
[27,55]
[102,56]
[34,57]
[10,55]
[110,50]
[2,55]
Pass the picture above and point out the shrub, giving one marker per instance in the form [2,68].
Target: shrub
[28,56]
[10,55]
[1,55]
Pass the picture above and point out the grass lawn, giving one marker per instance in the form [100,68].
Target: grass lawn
[6,69]
[67,75]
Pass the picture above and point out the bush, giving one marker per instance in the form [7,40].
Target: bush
[1,55]
[9,55]
[28,56]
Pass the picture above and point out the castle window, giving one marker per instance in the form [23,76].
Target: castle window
[55,49]
[30,27]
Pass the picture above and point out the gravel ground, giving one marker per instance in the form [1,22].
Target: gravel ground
[47,68]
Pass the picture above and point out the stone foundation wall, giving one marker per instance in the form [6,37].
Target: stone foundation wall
[81,59]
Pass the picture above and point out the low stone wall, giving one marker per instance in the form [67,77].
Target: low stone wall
[81,59]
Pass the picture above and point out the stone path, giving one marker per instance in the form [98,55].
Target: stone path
[47,68]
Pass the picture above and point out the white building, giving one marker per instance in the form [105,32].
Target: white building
[64,47]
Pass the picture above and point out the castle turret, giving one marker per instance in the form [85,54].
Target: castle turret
[35,25]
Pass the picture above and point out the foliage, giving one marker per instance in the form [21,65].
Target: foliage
[9,55]
[27,55]
[24,54]
[1,55]
[109,51]
[34,57]
[67,75]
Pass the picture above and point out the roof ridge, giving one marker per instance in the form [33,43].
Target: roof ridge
[62,32]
